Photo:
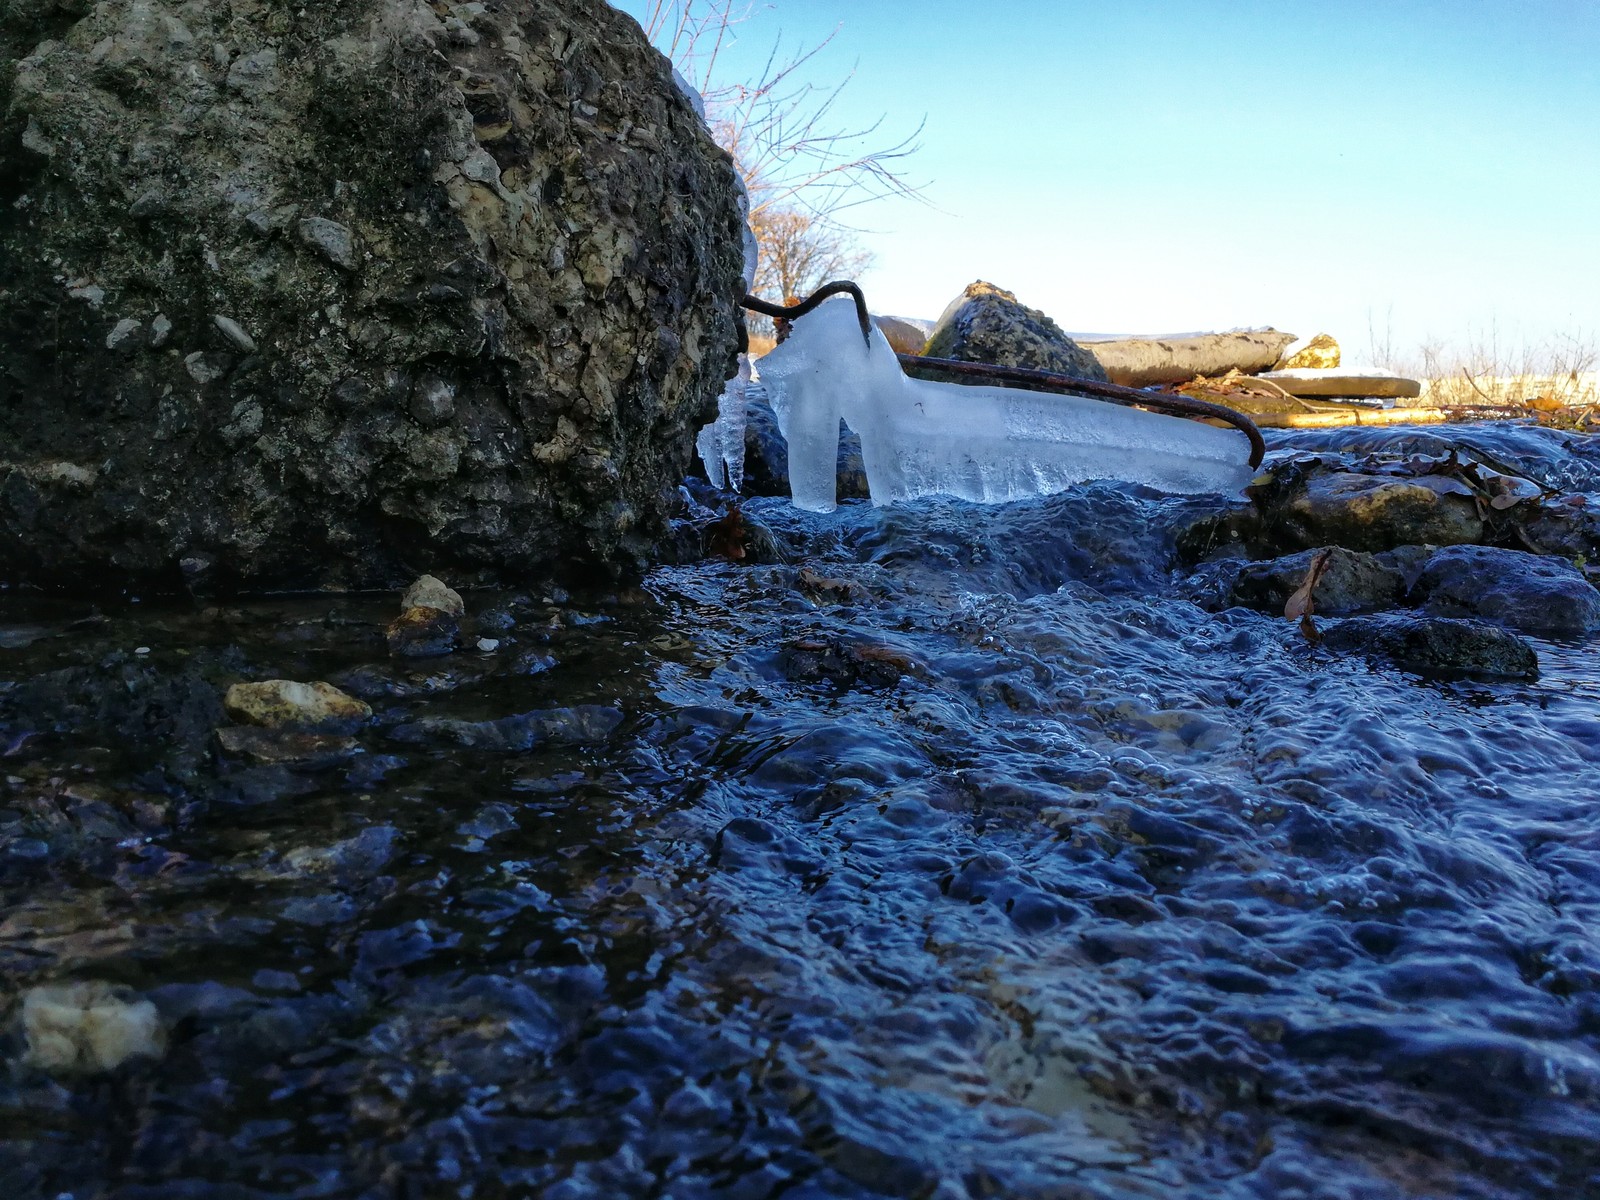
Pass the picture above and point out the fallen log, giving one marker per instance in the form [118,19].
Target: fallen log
[1336,382]
[1176,358]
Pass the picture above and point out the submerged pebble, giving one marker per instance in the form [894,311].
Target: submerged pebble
[423,632]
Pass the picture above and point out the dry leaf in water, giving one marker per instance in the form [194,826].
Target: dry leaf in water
[1302,603]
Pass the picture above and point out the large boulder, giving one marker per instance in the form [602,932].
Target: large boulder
[987,324]
[316,295]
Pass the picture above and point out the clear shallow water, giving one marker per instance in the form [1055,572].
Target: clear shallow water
[956,856]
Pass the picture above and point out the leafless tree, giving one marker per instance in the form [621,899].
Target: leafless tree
[801,167]
[799,252]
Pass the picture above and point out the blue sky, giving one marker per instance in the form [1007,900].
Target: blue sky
[1429,169]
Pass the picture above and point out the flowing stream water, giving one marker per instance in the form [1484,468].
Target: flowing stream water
[952,854]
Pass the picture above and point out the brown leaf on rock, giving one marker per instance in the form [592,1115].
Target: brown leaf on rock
[1303,603]
[727,535]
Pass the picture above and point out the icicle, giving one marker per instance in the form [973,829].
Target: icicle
[721,443]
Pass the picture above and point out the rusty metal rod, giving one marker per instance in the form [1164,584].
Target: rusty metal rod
[782,312]
[1049,381]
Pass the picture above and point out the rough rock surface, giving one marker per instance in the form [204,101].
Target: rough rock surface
[431,592]
[1569,526]
[1319,353]
[987,324]
[290,704]
[1537,594]
[1351,582]
[89,1026]
[1305,504]
[312,296]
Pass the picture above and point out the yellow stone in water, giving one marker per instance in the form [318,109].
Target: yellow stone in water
[285,703]
[1320,353]
[93,1026]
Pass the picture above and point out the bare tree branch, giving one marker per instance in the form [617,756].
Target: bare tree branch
[800,167]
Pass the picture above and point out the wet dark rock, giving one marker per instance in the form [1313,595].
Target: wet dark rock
[1536,594]
[273,747]
[987,324]
[153,714]
[1436,645]
[1351,582]
[1568,526]
[423,633]
[364,854]
[298,300]
[524,731]
[1223,530]
[844,665]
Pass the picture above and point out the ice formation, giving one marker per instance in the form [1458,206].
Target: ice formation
[721,443]
[979,443]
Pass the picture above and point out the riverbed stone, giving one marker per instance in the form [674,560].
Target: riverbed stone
[1568,526]
[1352,582]
[1533,593]
[411,294]
[285,746]
[988,324]
[431,592]
[423,632]
[1316,507]
[1436,645]
[289,704]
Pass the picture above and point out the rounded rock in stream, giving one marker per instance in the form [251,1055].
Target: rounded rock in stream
[1537,594]
[431,592]
[293,297]
[1306,505]
[1350,582]
[1437,645]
